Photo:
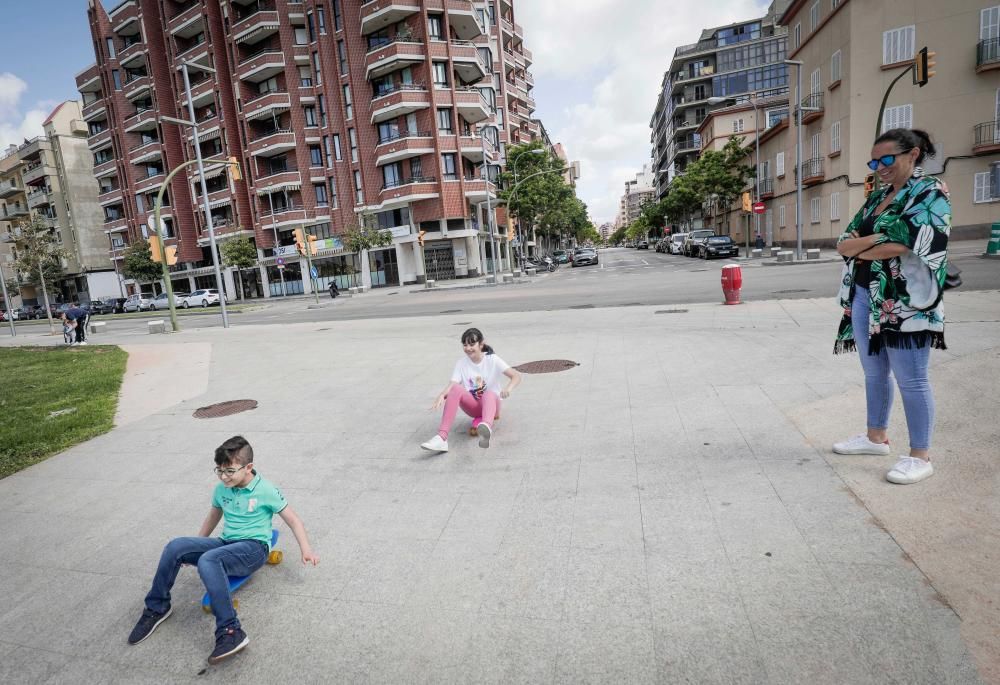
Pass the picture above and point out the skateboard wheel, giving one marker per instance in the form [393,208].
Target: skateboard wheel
[275,557]
[236,604]
[206,608]
[473,432]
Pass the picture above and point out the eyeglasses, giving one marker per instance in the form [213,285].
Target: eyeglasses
[227,472]
[885,160]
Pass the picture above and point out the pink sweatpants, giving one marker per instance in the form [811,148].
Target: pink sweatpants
[485,406]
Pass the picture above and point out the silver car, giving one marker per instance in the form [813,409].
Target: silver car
[137,303]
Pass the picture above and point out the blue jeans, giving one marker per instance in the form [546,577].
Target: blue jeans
[216,559]
[909,366]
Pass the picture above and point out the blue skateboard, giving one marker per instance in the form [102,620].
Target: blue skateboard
[236,582]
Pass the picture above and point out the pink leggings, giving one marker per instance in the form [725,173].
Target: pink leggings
[479,410]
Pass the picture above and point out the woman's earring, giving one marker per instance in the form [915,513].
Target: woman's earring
[918,172]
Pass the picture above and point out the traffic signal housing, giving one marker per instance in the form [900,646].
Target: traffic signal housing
[154,248]
[171,255]
[924,67]
[300,241]
[869,184]
[420,238]
[747,206]
[234,169]
[312,245]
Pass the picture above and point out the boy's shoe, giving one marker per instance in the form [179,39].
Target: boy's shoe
[230,642]
[860,444]
[146,625]
[485,433]
[909,470]
[436,444]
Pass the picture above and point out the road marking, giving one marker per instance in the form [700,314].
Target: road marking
[645,262]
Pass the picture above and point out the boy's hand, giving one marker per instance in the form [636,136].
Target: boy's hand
[308,555]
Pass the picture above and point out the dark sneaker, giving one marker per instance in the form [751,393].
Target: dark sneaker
[227,644]
[146,625]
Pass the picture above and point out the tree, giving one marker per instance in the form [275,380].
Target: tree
[720,176]
[618,236]
[365,237]
[239,252]
[540,188]
[39,258]
[138,264]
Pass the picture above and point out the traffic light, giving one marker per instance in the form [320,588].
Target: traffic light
[923,67]
[234,169]
[154,248]
[171,253]
[747,207]
[300,241]
[312,245]
[869,184]
[420,238]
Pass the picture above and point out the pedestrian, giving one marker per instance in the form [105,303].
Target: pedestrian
[758,242]
[78,315]
[245,503]
[475,387]
[68,329]
[896,254]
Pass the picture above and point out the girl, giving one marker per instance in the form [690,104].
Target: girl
[475,387]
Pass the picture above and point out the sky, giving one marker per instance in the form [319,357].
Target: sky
[597,65]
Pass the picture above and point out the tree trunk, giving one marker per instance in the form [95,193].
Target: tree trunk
[45,298]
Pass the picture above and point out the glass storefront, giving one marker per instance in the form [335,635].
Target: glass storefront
[292,280]
[383,267]
[345,270]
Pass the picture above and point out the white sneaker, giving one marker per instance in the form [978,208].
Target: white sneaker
[436,444]
[860,444]
[909,470]
[485,433]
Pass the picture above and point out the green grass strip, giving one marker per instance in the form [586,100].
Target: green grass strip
[52,398]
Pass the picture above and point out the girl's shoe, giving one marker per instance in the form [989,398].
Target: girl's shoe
[436,444]
[485,433]
[909,470]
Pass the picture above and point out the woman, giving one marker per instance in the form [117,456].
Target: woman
[475,387]
[896,262]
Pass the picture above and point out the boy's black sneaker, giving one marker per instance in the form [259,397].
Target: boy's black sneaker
[146,625]
[227,644]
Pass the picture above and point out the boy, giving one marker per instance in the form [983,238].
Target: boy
[246,502]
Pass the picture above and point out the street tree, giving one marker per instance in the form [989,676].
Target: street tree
[239,253]
[618,236]
[365,236]
[540,189]
[138,264]
[39,258]
[720,176]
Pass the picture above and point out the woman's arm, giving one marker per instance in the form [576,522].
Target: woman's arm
[515,380]
[883,251]
[852,247]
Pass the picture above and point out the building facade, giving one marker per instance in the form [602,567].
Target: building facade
[341,113]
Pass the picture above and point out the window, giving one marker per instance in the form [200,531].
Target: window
[441,74]
[338,153]
[815,147]
[321,101]
[315,155]
[448,172]
[392,175]
[268,86]
[834,206]
[311,27]
[416,167]
[781,216]
[316,69]
[327,151]
[897,117]
[305,76]
[764,172]
[434,31]
[333,193]
[835,137]
[354,144]
[738,126]
[301,38]
[897,45]
[382,85]
[342,55]
[981,191]
[444,120]
[989,23]
[815,209]
[359,196]
[814,16]
[348,105]
[776,116]
[117,78]
[779,164]
[815,84]
[835,67]
[321,20]
[111,47]
[338,19]
[310,113]
[796,36]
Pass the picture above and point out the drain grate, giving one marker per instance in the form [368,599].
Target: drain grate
[670,311]
[790,290]
[547,366]
[214,411]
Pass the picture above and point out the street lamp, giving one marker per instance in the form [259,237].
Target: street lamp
[798,154]
[489,197]
[756,139]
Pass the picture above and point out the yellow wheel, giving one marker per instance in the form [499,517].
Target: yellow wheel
[275,557]
[206,608]
[236,604]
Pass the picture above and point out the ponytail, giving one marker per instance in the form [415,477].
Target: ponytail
[474,335]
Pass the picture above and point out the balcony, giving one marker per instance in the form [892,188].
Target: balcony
[272,143]
[392,56]
[987,55]
[463,20]
[411,189]
[39,198]
[378,14]
[267,105]
[95,110]
[471,148]
[31,148]
[35,172]
[202,92]
[405,98]
[813,102]
[403,146]
[105,168]
[281,180]
[15,211]
[476,189]
[766,188]
[136,86]
[110,197]
[99,139]
[471,105]
[465,59]
[690,145]
[148,183]
[116,225]
[288,214]
[142,120]
[89,80]
[986,137]
[526,56]
[261,65]
[256,26]
[145,152]
[188,23]
[9,189]
[132,53]
[812,171]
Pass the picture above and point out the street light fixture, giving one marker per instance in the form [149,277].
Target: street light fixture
[756,138]
[799,108]
[489,197]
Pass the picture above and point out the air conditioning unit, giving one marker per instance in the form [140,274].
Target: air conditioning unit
[995,181]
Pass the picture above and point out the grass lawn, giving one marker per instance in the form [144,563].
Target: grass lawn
[40,380]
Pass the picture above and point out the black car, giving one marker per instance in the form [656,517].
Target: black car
[717,246]
[105,306]
[27,312]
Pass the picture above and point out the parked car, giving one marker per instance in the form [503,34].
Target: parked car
[585,256]
[642,245]
[27,312]
[160,301]
[676,243]
[137,303]
[201,298]
[119,305]
[560,256]
[718,246]
[689,249]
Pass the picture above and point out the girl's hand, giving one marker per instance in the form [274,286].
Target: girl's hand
[438,401]
[504,394]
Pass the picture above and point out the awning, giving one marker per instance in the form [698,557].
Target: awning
[211,171]
[220,203]
[213,132]
[267,111]
[291,185]
[244,37]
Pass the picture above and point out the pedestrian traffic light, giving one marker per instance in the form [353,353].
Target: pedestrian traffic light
[154,248]
[923,67]
[869,184]
[300,241]
[420,238]
[234,169]
[747,207]
[171,254]
[312,244]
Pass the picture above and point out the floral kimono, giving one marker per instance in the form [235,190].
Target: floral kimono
[905,291]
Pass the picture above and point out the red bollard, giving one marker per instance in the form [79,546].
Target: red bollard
[732,281]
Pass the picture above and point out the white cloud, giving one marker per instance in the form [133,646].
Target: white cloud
[16,126]
[606,60]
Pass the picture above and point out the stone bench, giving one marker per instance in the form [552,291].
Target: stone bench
[508,278]
[429,283]
[490,280]
[97,326]
[756,254]
[531,272]
[352,290]
[812,254]
[157,326]
[786,256]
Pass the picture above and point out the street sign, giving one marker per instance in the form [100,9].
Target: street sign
[758,207]
[314,272]
[281,266]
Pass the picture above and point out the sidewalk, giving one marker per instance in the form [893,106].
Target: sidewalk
[667,511]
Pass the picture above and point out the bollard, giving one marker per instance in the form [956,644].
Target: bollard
[812,254]
[786,256]
[490,280]
[96,326]
[530,272]
[508,278]
[429,283]
[756,254]
[732,282]
[157,326]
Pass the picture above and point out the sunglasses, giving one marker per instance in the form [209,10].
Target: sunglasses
[885,160]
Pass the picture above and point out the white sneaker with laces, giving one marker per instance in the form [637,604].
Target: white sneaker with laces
[909,470]
[860,444]
[436,444]
[485,433]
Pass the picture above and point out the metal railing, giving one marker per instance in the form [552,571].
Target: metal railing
[400,135]
[399,87]
[261,51]
[811,101]
[987,133]
[811,168]
[257,9]
[143,144]
[269,133]
[388,185]
[384,42]
[281,209]
[264,95]
[766,186]
[988,52]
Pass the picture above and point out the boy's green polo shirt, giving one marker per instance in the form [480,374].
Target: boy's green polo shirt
[247,512]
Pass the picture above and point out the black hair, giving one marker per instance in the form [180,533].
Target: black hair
[474,335]
[235,450]
[909,138]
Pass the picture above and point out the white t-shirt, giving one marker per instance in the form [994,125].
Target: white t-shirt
[478,378]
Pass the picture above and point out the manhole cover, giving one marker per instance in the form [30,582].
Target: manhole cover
[320,330]
[451,311]
[670,311]
[791,290]
[547,366]
[214,411]
[582,306]
[694,271]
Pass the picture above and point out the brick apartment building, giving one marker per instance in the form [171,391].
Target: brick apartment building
[338,110]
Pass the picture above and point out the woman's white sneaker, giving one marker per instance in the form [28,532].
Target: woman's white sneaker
[909,470]
[860,444]
[436,444]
